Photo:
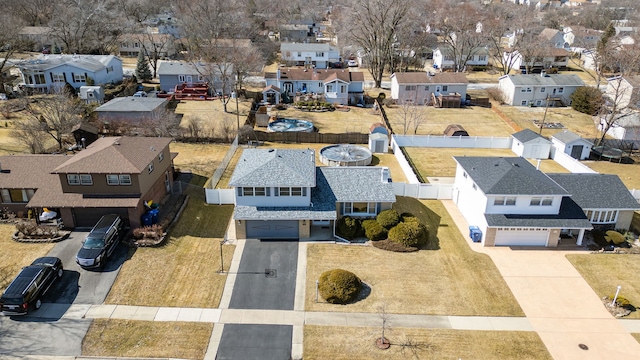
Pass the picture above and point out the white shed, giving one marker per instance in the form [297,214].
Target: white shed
[530,145]
[91,94]
[378,143]
[572,144]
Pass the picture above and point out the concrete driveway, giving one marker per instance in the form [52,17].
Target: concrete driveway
[561,306]
[253,289]
[19,337]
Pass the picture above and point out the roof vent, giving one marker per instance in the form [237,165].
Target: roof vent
[271,150]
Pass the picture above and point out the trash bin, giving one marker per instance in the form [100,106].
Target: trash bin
[146,219]
[154,215]
[475,233]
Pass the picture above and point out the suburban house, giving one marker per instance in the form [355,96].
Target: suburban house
[318,55]
[625,90]
[36,38]
[282,194]
[572,144]
[132,110]
[161,44]
[418,87]
[338,86]
[113,175]
[514,204]
[51,72]
[549,58]
[557,38]
[530,145]
[443,57]
[539,89]
[302,30]
[91,94]
[172,73]
[605,200]
[584,37]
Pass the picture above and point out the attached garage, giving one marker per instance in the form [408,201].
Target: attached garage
[88,217]
[272,229]
[522,237]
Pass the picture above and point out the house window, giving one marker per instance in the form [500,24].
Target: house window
[181,78]
[560,90]
[426,88]
[482,58]
[113,180]
[523,90]
[319,54]
[535,201]
[474,187]
[329,88]
[161,156]
[445,87]
[320,84]
[602,217]
[547,201]
[538,102]
[57,78]
[543,89]
[73,179]
[37,79]
[200,78]
[523,102]
[17,195]
[529,90]
[464,174]
[125,179]
[85,179]
[410,88]
[136,45]
[299,54]
[79,78]
[504,200]
[360,208]
[259,191]
[343,89]
[150,167]
[544,201]
[291,191]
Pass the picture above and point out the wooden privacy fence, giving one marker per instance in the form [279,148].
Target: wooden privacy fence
[302,137]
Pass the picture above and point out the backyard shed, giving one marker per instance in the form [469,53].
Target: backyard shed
[378,143]
[531,145]
[572,144]
[455,130]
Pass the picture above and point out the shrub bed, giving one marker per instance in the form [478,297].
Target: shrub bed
[349,228]
[388,218]
[339,286]
[373,230]
[411,234]
[393,246]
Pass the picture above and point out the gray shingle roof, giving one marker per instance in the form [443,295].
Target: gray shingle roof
[86,62]
[567,136]
[508,176]
[358,184]
[527,135]
[307,47]
[597,191]
[547,80]
[132,104]
[187,68]
[570,216]
[275,167]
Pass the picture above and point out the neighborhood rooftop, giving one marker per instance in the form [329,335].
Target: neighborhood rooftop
[86,62]
[132,104]
[307,47]
[275,167]
[527,135]
[508,176]
[545,80]
[597,191]
[566,136]
[358,184]
[425,78]
[316,75]
[570,216]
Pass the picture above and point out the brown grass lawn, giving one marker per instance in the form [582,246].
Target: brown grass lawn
[184,272]
[9,145]
[439,161]
[628,173]
[333,342]
[148,339]
[572,120]
[476,120]
[15,255]
[213,116]
[201,159]
[483,77]
[605,272]
[356,120]
[636,336]
[441,282]
[226,175]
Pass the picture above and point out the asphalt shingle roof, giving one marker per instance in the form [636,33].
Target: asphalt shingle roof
[187,68]
[527,135]
[547,80]
[358,183]
[86,62]
[307,47]
[316,75]
[597,191]
[570,216]
[424,78]
[115,155]
[508,176]
[275,167]
[567,136]
[132,104]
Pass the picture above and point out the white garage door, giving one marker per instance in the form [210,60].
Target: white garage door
[272,229]
[523,237]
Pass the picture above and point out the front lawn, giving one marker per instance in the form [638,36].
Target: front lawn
[15,255]
[184,271]
[146,339]
[334,342]
[452,280]
[604,272]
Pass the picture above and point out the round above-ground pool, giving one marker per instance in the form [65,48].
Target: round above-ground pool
[290,125]
[345,155]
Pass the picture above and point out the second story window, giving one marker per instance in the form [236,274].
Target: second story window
[150,167]
[410,88]
[85,179]
[57,78]
[114,179]
[161,156]
[79,78]
[73,179]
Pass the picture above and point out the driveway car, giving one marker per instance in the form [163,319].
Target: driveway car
[33,281]
[101,242]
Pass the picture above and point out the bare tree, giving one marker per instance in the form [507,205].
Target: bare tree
[32,12]
[411,115]
[373,27]
[32,137]
[385,316]
[10,42]
[195,126]
[54,116]
[162,123]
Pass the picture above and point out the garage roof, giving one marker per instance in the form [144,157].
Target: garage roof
[571,216]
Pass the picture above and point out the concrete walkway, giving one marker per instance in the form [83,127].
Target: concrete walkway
[558,302]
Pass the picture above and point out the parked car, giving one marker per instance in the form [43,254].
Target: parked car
[33,281]
[140,94]
[101,242]
[352,63]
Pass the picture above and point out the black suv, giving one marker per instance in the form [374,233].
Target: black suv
[101,242]
[31,283]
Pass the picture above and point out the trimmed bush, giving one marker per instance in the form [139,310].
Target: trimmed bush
[409,218]
[349,228]
[389,245]
[339,286]
[373,230]
[388,218]
[409,234]
[614,237]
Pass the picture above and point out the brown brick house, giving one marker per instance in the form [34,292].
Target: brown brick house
[113,175]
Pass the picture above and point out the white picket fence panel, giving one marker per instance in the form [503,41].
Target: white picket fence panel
[220,196]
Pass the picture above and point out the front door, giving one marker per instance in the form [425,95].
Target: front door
[576,151]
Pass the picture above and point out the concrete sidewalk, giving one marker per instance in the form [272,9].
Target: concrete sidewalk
[561,306]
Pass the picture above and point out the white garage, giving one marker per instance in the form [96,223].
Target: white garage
[521,237]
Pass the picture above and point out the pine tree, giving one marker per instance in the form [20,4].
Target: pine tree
[143,73]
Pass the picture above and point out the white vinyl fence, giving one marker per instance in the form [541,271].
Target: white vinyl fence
[219,196]
[636,194]
[404,163]
[571,164]
[424,191]
[453,141]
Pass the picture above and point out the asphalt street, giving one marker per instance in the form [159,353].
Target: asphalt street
[255,342]
[254,288]
[21,336]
